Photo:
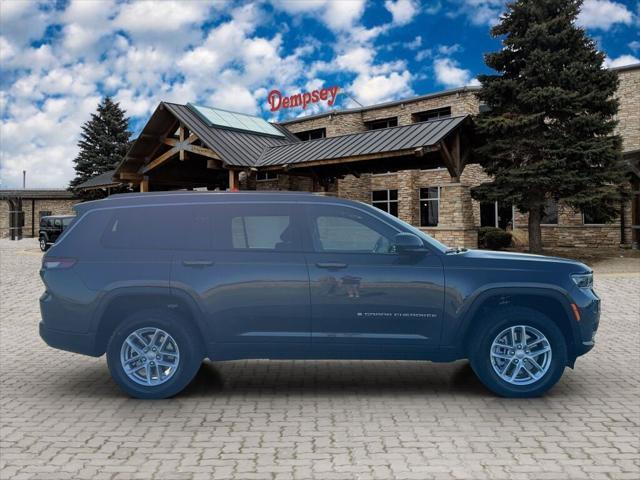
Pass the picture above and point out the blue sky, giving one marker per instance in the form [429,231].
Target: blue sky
[57,60]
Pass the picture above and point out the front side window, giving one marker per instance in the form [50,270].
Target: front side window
[429,206]
[350,231]
[386,200]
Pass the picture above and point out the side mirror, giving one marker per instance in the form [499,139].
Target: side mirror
[408,243]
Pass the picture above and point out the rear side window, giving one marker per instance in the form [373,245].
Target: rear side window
[256,227]
[158,227]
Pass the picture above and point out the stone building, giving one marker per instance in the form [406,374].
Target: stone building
[408,157]
[28,206]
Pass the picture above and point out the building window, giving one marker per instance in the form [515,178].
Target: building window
[382,123]
[433,114]
[312,134]
[591,216]
[386,200]
[429,206]
[550,213]
[263,176]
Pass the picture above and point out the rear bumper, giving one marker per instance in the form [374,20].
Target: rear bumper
[83,343]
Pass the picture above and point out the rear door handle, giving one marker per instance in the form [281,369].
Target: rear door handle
[197,263]
[331,265]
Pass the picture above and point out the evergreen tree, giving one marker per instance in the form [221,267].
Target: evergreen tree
[549,129]
[104,142]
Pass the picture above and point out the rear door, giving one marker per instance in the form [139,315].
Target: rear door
[253,283]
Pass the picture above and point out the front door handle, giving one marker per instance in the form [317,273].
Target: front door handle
[331,265]
[197,263]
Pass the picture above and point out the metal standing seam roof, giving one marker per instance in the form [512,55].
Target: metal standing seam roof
[103,180]
[375,141]
[236,148]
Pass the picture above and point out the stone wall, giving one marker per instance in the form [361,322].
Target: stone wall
[572,232]
[462,102]
[29,207]
[629,110]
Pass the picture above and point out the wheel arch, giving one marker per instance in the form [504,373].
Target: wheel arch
[553,303]
[118,304]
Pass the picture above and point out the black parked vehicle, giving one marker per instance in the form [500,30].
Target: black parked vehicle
[51,227]
[160,281]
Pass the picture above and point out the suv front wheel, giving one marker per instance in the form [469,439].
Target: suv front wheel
[153,354]
[43,244]
[520,353]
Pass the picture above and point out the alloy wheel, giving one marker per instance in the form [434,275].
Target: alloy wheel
[149,356]
[521,355]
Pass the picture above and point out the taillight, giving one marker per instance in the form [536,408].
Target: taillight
[50,263]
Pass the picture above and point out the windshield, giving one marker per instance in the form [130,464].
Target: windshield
[416,231]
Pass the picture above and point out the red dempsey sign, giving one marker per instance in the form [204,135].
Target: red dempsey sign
[277,100]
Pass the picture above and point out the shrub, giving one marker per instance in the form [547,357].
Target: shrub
[493,238]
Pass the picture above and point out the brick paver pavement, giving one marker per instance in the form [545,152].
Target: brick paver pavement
[62,416]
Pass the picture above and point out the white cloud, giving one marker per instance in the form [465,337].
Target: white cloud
[369,89]
[22,22]
[336,15]
[402,11]
[449,73]
[621,61]
[603,14]
[634,45]
[479,12]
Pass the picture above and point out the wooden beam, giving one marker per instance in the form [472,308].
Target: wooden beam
[234,183]
[144,184]
[192,138]
[170,141]
[449,161]
[160,160]
[204,151]
[181,135]
[358,158]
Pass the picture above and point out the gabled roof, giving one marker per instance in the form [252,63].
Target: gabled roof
[406,137]
[103,180]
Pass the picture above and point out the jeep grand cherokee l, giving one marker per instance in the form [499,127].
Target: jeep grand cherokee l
[161,281]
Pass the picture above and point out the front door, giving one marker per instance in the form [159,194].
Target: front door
[253,283]
[368,301]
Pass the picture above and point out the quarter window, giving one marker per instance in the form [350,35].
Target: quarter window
[386,200]
[429,206]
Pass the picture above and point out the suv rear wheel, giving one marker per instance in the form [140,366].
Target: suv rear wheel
[153,354]
[43,244]
[520,353]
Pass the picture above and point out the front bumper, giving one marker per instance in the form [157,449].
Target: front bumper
[589,306]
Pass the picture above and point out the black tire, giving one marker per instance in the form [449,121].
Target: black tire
[186,338]
[480,349]
[43,244]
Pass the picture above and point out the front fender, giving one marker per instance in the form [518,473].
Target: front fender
[463,317]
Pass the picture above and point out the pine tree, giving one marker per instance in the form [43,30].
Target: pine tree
[104,142]
[549,129]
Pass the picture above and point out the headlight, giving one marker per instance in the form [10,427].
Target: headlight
[583,280]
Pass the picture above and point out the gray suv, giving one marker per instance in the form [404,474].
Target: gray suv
[161,281]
